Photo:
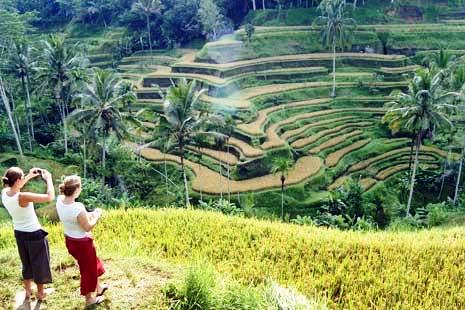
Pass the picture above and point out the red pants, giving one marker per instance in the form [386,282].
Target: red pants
[90,266]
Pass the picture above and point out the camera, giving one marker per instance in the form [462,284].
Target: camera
[39,173]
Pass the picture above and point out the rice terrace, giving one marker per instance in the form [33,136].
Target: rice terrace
[232,154]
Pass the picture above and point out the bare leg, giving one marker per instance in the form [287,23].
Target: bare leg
[99,287]
[28,287]
[40,292]
[90,299]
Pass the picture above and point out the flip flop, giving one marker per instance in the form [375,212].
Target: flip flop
[48,291]
[104,289]
[98,301]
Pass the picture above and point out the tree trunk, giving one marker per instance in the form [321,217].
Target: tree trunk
[103,160]
[13,109]
[166,171]
[186,189]
[411,154]
[148,32]
[26,110]
[333,92]
[85,158]
[221,178]
[456,195]
[412,181]
[61,107]
[10,118]
[263,5]
[65,132]
[443,178]
[229,177]
[254,5]
[30,109]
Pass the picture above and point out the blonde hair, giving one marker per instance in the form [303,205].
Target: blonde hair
[70,185]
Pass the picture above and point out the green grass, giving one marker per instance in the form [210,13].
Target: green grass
[349,270]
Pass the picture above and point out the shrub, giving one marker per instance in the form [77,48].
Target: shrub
[221,205]
[195,292]
[95,195]
[408,223]
[436,214]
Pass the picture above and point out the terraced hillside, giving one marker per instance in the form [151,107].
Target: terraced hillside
[281,105]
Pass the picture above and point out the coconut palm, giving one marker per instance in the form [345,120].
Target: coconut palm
[147,8]
[424,108]
[461,142]
[227,130]
[336,29]
[183,118]
[57,73]
[21,64]
[282,165]
[186,118]
[6,103]
[101,104]
[440,60]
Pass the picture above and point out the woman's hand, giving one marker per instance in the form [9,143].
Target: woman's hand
[98,213]
[46,175]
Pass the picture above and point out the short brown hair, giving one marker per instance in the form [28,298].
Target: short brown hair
[12,175]
[70,185]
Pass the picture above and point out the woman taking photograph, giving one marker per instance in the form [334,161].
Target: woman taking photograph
[30,237]
[78,224]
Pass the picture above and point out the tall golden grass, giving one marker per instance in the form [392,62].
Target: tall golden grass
[350,270]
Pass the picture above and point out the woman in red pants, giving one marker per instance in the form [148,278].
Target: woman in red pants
[78,224]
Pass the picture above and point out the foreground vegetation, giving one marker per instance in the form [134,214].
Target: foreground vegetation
[350,270]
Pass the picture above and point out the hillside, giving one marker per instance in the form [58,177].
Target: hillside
[350,270]
[279,100]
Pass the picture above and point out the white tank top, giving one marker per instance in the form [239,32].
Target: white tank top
[24,219]
[68,214]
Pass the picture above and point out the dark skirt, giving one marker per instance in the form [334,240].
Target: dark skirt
[35,255]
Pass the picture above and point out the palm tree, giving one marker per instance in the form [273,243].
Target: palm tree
[228,129]
[4,99]
[424,109]
[441,60]
[57,73]
[21,64]
[101,109]
[147,8]
[184,118]
[128,90]
[336,29]
[282,165]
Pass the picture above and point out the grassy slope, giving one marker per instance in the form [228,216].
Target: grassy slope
[351,270]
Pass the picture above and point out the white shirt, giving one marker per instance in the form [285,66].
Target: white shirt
[68,214]
[24,219]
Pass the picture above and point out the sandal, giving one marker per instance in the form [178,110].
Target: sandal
[104,289]
[98,301]
[47,292]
